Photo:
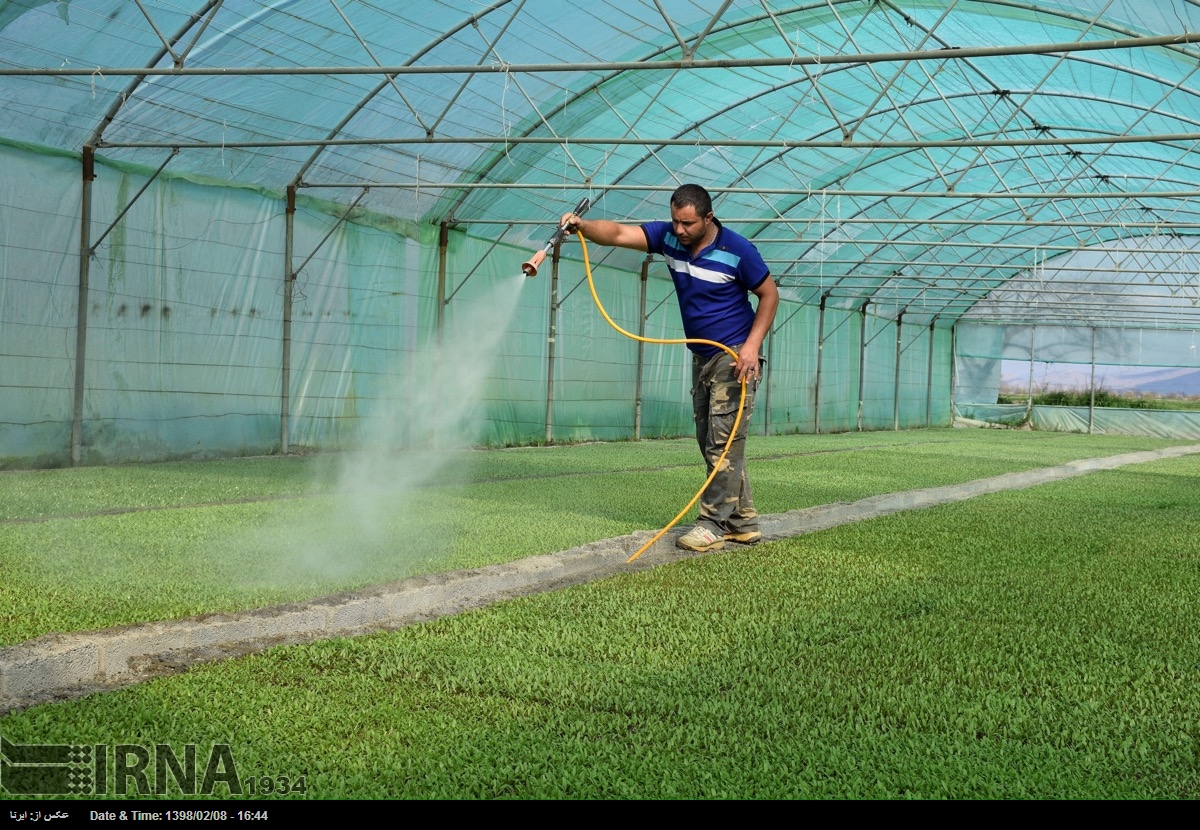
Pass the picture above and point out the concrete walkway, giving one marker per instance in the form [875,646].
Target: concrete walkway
[62,666]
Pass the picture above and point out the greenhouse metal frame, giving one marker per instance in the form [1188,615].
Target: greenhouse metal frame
[236,226]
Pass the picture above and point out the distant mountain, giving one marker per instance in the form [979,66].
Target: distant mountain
[1135,379]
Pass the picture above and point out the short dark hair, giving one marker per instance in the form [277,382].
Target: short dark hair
[694,195]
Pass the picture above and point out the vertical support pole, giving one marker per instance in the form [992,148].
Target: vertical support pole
[641,351]
[862,361]
[289,285]
[929,378]
[1029,402]
[551,342]
[896,380]
[437,433]
[88,163]
[1092,403]
[953,368]
[820,358]
[443,244]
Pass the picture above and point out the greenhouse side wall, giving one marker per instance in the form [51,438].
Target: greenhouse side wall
[175,344]
[185,333]
[39,229]
[786,395]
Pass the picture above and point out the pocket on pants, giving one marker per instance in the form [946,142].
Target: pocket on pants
[726,396]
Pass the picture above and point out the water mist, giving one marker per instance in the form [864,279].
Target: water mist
[388,514]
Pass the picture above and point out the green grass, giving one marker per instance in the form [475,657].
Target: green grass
[95,547]
[1103,397]
[1042,643]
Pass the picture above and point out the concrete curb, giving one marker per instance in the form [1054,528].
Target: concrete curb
[60,666]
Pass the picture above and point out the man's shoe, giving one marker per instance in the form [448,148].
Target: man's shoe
[748,537]
[700,538]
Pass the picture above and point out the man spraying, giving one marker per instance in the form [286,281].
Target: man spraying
[714,270]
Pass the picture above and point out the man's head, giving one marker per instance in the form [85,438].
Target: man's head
[694,195]
[691,214]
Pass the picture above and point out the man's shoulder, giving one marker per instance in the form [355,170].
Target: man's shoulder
[743,256]
[657,234]
[731,236]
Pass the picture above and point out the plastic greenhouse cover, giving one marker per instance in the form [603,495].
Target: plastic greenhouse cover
[869,186]
[1076,344]
[488,108]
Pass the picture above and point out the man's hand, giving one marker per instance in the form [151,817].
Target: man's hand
[748,367]
[570,222]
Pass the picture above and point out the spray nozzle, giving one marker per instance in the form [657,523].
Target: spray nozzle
[530,268]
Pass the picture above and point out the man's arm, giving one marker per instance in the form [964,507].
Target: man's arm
[606,232]
[768,302]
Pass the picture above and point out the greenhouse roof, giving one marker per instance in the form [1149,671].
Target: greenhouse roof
[1011,161]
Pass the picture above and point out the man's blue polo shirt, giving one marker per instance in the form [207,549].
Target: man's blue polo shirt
[712,287]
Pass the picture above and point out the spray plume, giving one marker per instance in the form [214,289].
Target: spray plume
[379,523]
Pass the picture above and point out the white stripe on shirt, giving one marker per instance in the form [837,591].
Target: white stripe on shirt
[705,274]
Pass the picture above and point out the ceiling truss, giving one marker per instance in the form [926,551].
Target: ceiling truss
[945,159]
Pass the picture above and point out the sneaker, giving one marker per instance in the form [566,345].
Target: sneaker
[746,537]
[700,538]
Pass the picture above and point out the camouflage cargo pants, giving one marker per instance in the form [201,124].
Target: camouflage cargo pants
[726,506]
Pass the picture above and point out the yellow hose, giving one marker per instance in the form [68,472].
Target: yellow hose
[587,267]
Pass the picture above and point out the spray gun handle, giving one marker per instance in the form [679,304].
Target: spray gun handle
[582,207]
[579,210]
